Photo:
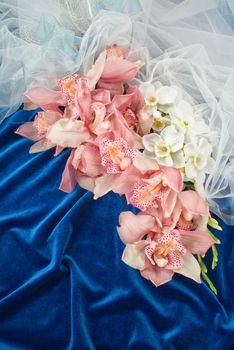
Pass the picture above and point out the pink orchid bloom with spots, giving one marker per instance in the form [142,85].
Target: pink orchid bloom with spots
[163,251]
[117,160]
[50,129]
[156,188]
[38,129]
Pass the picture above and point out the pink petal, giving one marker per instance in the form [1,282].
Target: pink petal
[191,268]
[134,255]
[51,116]
[175,260]
[196,242]
[40,146]
[83,100]
[96,71]
[119,70]
[145,123]
[68,182]
[99,126]
[173,178]
[45,98]
[68,133]
[137,99]
[145,164]
[86,182]
[29,131]
[157,275]
[192,202]
[125,181]
[114,88]
[91,161]
[168,203]
[58,150]
[104,184]
[101,95]
[121,129]
[133,227]
[122,102]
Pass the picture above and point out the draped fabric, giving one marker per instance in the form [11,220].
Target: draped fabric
[62,283]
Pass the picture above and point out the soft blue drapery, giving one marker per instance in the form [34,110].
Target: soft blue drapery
[62,283]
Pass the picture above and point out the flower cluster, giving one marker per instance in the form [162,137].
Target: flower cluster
[142,142]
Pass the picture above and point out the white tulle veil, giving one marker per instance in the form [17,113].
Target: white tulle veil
[185,43]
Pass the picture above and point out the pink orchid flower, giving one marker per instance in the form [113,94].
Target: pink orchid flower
[117,71]
[120,174]
[49,99]
[195,211]
[163,252]
[159,187]
[38,129]
[83,167]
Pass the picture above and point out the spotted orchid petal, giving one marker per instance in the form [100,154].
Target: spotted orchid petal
[157,275]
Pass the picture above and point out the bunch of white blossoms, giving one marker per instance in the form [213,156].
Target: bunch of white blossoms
[173,134]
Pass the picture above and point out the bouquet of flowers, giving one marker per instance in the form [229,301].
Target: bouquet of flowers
[139,139]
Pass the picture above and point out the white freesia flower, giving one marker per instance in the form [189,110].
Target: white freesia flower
[167,95]
[198,160]
[150,95]
[159,122]
[182,115]
[166,148]
[163,95]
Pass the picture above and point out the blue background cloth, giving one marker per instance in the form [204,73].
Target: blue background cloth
[62,283]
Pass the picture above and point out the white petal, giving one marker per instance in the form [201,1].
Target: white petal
[150,140]
[191,268]
[204,147]
[183,110]
[134,255]
[145,164]
[190,170]
[167,95]
[146,88]
[167,161]
[209,165]
[161,149]
[68,133]
[178,159]
[173,138]
[189,150]
[200,161]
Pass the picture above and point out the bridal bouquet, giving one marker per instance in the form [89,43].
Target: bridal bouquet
[143,141]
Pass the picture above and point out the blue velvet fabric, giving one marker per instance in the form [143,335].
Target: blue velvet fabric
[62,283]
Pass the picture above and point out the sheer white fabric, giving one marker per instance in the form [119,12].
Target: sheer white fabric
[185,43]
